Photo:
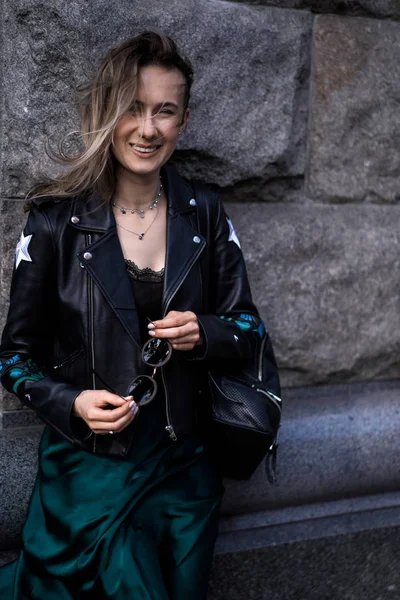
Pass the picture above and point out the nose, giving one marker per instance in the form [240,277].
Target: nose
[148,127]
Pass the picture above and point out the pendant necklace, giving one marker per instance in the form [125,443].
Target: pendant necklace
[143,233]
[140,211]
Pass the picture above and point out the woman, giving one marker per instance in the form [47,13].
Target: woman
[127,497]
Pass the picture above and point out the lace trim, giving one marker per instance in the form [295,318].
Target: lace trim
[145,274]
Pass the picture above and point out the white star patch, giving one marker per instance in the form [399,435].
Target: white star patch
[21,252]
[232,233]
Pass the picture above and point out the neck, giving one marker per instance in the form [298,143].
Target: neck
[136,191]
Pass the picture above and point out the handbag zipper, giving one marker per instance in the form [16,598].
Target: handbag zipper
[91,334]
[274,399]
[260,360]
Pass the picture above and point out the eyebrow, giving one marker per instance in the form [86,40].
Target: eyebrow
[160,105]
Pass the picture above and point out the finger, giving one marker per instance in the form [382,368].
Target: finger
[183,346]
[117,426]
[109,398]
[110,415]
[190,330]
[175,319]
[176,345]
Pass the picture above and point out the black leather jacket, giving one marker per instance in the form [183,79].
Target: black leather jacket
[72,309]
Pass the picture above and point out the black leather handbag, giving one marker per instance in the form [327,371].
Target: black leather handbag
[246,403]
[246,415]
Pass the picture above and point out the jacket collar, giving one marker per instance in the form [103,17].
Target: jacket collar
[91,213]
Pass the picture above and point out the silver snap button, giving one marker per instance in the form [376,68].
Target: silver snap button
[88,256]
[75,220]
[192,202]
[81,266]
[196,239]
[28,397]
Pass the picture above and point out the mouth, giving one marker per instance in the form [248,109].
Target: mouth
[144,149]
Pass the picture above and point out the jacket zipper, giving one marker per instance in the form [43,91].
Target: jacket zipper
[169,428]
[91,333]
[67,360]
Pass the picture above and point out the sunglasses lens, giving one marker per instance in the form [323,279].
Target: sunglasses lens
[143,390]
[156,352]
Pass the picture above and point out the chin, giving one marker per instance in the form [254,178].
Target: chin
[139,169]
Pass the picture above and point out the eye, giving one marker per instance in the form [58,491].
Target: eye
[134,110]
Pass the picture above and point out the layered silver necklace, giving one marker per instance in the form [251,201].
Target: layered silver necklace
[143,233]
[140,211]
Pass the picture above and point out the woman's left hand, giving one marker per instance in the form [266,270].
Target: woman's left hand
[180,328]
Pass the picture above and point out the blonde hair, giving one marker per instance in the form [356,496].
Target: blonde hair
[102,104]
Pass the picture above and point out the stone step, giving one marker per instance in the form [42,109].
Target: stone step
[352,566]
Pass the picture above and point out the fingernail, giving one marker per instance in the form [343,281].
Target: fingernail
[132,404]
[152,333]
[128,397]
[151,326]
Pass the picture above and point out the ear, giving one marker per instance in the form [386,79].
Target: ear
[184,120]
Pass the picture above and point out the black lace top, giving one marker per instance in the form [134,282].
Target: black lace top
[147,288]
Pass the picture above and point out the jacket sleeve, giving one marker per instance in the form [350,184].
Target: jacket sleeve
[27,340]
[232,324]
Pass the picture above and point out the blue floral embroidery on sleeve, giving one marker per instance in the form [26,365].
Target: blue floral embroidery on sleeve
[28,371]
[247,323]
[10,361]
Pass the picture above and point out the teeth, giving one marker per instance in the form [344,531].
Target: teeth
[144,150]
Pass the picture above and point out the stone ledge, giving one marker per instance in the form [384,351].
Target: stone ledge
[337,443]
[308,522]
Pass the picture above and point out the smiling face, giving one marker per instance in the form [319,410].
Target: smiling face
[145,138]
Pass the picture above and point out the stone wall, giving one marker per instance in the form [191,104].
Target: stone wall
[294,117]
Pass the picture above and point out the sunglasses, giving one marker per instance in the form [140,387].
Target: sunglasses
[155,353]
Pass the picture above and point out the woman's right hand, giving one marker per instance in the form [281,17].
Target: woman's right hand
[93,406]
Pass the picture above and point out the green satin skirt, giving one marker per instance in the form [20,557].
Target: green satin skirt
[140,528]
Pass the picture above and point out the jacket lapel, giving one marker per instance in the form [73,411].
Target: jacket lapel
[184,242]
[105,263]
[104,260]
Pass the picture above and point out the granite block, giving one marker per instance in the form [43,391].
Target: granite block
[24,417]
[7,556]
[326,280]
[308,270]
[374,8]
[12,220]
[248,116]
[353,150]
[9,402]
[18,465]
